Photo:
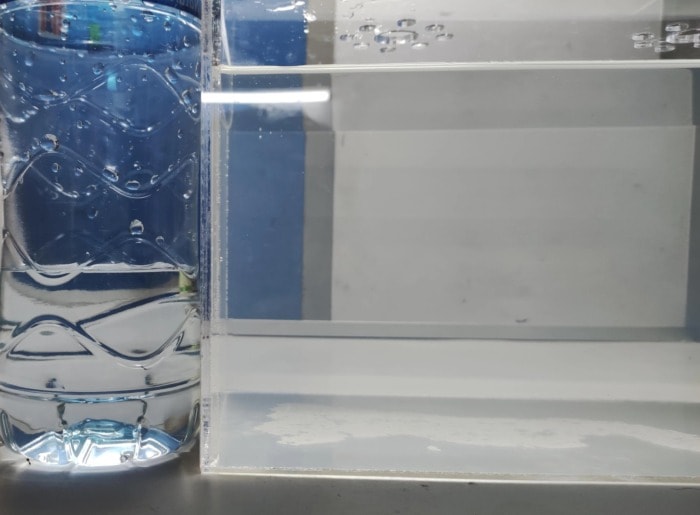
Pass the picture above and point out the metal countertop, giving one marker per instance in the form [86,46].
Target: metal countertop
[178,488]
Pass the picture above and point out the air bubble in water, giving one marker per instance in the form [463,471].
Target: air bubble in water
[663,47]
[435,27]
[387,49]
[687,37]
[98,69]
[406,22]
[63,78]
[55,167]
[180,134]
[110,173]
[132,185]
[444,37]
[78,171]
[167,25]
[643,36]
[171,75]
[136,227]
[677,26]
[29,59]
[49,142]
[367,28]
[643,44]
[310,16]
[92,213]
[154,179]
[160,241]
[361,46]
[187,97]
[419,45]
[148,16]
[186,42]
[396,37]
[187,195]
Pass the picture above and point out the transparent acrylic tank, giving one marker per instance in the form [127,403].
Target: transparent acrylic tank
[454,238]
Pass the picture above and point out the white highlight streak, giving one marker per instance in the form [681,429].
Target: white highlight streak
[271,96]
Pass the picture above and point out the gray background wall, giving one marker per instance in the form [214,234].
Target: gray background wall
[538,197]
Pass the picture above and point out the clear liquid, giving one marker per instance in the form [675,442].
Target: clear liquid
[99,132]
[500,280]
[500,203]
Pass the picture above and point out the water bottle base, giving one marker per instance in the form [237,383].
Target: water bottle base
[100,444]
[114,439]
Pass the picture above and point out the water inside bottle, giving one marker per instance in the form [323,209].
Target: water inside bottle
[99,342]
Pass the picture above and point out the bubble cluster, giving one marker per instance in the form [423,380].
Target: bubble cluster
[405,32]
[674,34]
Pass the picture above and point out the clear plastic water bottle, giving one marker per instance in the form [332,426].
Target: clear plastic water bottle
[99,157]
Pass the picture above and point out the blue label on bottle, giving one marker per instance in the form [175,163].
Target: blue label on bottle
[193,7]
